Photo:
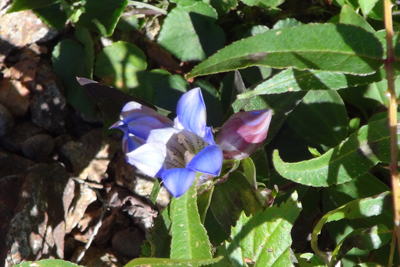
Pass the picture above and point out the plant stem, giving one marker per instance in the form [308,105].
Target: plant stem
[387,5]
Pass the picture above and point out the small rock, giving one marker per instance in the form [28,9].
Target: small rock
[38,146]
[128,242]
[38,227]
[11,164]
[80,153]
[21,28]
[13,142]
[49,108]
[6,121]
[15,96]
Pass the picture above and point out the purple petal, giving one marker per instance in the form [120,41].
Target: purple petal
[142,126]
[208,137]
[191,112]
[178,181]
[149,158]
[209,160]
[132,111]
[131,142]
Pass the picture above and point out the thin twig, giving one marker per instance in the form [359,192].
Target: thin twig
[387,6]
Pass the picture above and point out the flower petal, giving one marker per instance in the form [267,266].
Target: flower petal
[132,111]
[131,142]
[209,160]
[149,158]
[161,135]
[191,112]
[178,181]
[142,126]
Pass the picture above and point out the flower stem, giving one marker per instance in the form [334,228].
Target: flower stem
[387,5]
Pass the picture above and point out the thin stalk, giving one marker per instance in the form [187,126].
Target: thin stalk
[145,5]
[387,6]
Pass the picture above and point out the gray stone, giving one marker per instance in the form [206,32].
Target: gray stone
[49,108]
[6,121]
[38,229]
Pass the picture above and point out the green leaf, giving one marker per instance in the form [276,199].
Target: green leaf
[159,87]
[354,157]
[19,5]
[363,186]
[326,47]
[189,238]
[364,239]
[359,208]
[47,263]
[189,32]
[70,60]
[292,80]
[263,3]
[286,23]
[119,63]
[160,236]
[231,198]
[223,6]
[263,238]
[171,262]
[101,15]
[203,203]
[321,118]
[53,15]
[249,171]
[154,192]
[349,16]
[367,5]
[309,260]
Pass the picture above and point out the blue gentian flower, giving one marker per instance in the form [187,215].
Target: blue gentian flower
[136,122]
[177,154]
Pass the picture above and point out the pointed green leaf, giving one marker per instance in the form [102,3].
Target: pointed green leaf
[359,208]
[118,64]
[354,157]
[364,239]
[320,118]
[349,16]
[262,239]
[53,15]
[189,238]
[231,198]
[203,203]
[171,262]
[189,32]
[292,80]
[19,5]
[70,60]
[329,47]
[249,171]
[160,236]
[101,15]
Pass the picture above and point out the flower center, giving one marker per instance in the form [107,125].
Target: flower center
[181,149]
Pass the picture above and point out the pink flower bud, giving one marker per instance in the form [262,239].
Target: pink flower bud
[243,133]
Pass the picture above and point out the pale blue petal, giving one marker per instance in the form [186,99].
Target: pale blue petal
[209,160]
[161,135]
[178,181]
[149,158]
[191,112]
[142,126]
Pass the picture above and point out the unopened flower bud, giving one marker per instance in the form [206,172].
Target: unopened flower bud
[243,133]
